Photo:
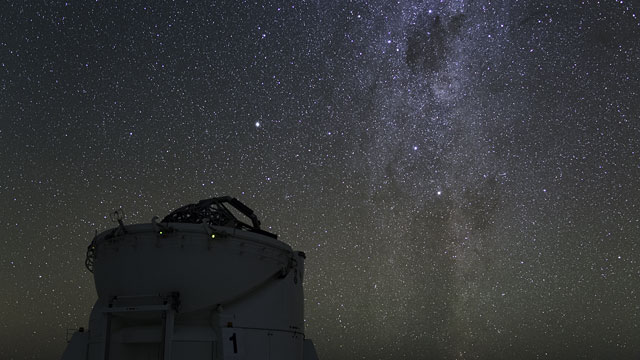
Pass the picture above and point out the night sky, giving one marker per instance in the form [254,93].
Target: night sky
[463,176]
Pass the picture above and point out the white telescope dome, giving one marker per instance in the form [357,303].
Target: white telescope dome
[200,284]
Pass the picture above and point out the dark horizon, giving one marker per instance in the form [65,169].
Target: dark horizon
[463,176]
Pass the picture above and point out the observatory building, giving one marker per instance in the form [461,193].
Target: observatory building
[200,284]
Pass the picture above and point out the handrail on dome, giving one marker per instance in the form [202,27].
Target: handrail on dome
[210,211]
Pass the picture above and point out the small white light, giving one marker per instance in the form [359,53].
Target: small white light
[257,123]
[439,192]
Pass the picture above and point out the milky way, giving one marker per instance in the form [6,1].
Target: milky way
[463,176]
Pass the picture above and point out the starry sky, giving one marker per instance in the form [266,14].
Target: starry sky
[463,176]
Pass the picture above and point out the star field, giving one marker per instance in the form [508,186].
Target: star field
[463,176]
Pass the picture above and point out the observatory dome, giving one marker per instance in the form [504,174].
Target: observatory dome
[200,284]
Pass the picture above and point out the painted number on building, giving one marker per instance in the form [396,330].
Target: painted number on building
[234,339]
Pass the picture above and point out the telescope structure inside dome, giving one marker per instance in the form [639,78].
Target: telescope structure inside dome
[200,284]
